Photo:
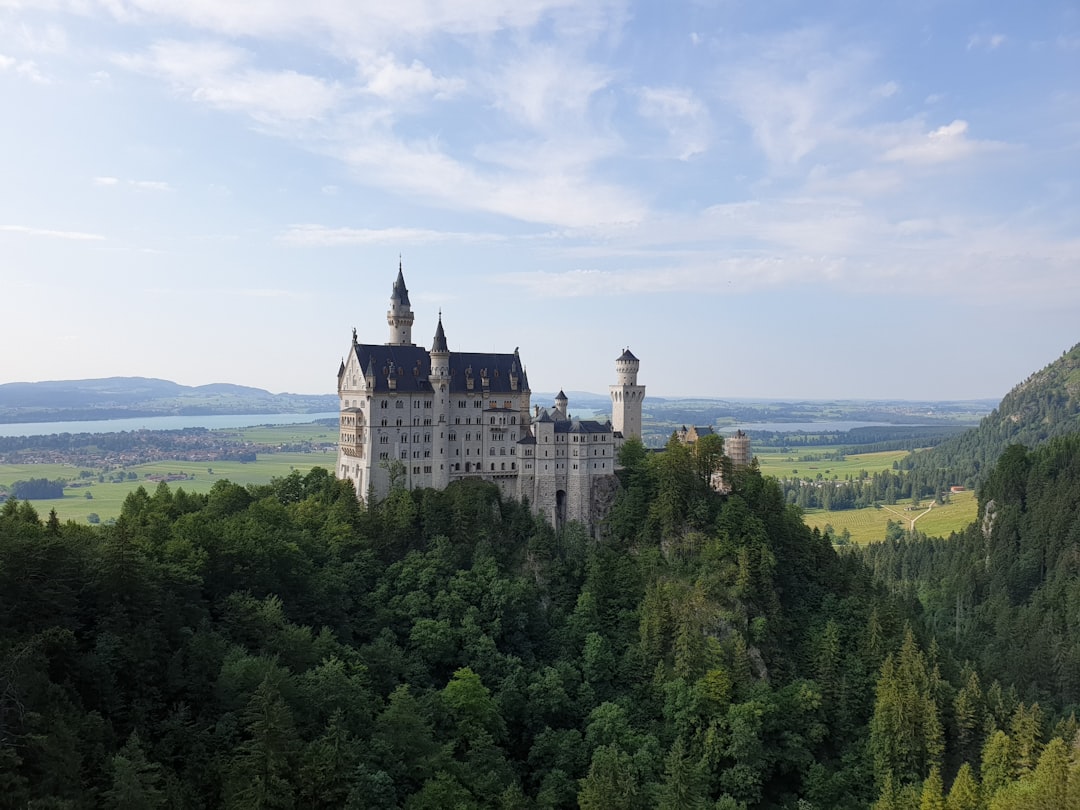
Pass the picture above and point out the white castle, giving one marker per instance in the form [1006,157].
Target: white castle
[424,418]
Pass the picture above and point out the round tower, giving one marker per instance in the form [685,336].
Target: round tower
[400,316]
[439,377]
[561,404]
[626,396]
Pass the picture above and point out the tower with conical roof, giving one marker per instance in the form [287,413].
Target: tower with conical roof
[626,396]
[400,315]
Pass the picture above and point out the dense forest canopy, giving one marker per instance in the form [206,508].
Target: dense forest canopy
[285,646]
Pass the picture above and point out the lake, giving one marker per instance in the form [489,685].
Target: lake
[162,423]
[805,427]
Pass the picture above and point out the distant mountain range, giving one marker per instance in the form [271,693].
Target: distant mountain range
[121,397]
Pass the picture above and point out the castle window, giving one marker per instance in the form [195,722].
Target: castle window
[416,470]
[384,456]
[399,404]
[453,437]
[416,454]
[492,452]
[513,420]
[427,469]
[502,466]
[457,420]
[476,403]
[383,405]
[427,403]
[416,404]
[502,451]
[384,440]
[493,420]
[427,437]
[398,421]
[427,454]
[513,465]
[404,437]
[493,466]
[461,403]
[416,437]
[404,455]
[383,422]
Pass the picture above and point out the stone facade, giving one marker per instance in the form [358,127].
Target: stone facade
[423,418]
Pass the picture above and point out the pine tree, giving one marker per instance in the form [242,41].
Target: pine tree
[932,798]
[964,793]
[996,768]
[136,781]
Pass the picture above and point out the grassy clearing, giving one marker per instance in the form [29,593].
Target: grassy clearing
[788,465]
[868,525]
[107,498]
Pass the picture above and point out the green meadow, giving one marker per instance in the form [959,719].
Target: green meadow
[801,463]
[107,498]
[868,525]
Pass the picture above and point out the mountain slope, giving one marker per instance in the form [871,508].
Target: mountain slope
[1042,407]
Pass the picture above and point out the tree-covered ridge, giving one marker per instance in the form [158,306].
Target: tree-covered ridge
[281,646]
[1042,407]
[1003,596]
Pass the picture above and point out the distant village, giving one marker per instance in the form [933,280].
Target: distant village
[107,451]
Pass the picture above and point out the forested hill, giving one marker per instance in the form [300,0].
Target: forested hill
[1045,405]
[119,397]
[280,646]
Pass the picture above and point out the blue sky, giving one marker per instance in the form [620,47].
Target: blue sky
[760,199]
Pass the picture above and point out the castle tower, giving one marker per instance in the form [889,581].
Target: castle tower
[400,316]
[737,448]
[626,396]
[440,387]
[561,404]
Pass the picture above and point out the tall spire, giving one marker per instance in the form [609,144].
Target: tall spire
[400,315]
[400,292]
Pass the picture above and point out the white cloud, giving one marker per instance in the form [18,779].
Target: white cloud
[986,42]
[26,68]
[388,79]
[221,76]
[106,181]
[151,185]
[79,236]
[681,113]
[886,90]
[797,92]
[547,88]
[944,144]
[552,194]
[322,236]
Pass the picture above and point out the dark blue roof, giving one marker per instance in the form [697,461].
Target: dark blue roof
[411,365]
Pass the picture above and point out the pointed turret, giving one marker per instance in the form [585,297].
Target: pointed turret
[439,344]
[400,316]
[400,292]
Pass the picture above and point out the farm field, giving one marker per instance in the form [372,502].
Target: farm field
[868,525]
[788,465]
[107,498]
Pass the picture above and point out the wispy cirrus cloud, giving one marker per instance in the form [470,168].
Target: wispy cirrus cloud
[945,144]
[323,236]
[141,185]
[681,113]
[49,233]
[223,76]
